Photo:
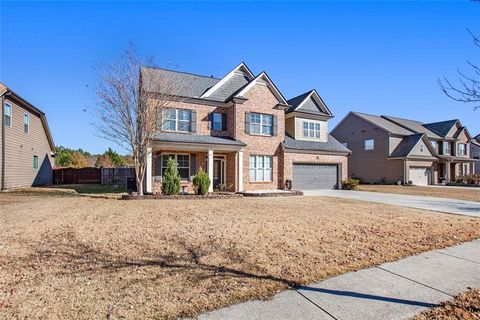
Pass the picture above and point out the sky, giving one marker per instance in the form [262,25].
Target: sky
[378,57]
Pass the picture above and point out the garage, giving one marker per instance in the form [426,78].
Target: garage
[309,176]
[420,176]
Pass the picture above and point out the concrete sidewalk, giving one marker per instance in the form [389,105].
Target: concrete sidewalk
[463,207]
[395,290]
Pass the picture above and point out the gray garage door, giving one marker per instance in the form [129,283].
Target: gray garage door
[308,176]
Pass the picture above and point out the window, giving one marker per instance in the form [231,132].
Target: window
[8,115]
[260,168]
[369,144]
[35,162]
[261,124]
[434,144]
[462,149]
[464,169]
[446,148]
[26,123]
[219,121]
[177,120]
[311,129]
[183,164]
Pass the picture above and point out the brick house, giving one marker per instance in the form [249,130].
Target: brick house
[244,133]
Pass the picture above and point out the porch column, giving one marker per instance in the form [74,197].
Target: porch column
[447,171]
[210,169]
[240,170]
[148,172]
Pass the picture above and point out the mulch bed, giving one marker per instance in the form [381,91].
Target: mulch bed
[272,194]
[215,195]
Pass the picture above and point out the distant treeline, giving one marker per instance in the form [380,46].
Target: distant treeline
[79,158]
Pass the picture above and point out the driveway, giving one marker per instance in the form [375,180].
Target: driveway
[463,207]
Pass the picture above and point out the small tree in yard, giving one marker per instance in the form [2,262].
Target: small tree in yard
[171,179]
[201,181]
[126,112]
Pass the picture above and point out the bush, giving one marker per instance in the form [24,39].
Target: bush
[350,184]
[201,181]
[171,179]
[468,179]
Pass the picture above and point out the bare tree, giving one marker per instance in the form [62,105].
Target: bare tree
[127,111]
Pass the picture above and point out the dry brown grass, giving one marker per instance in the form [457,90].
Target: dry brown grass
[465,306]
[86,258]
[452,193]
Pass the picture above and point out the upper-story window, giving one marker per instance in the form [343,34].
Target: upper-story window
[261,124]
[446,148]
[462,149]
[26,123]
[35,162]
[311,129]
[434,144]
[177,120]
[218,121]
[8,115]
[369,144]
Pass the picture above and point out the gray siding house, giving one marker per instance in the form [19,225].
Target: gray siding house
[475,153]
[388,149]
[26,147]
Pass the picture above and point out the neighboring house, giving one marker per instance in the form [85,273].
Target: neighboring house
[475,153]
[27,146]
[387,149]
[244,133]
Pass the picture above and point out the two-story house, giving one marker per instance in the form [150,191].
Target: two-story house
[475,153]
[388,149]
[243,132]
[27,147]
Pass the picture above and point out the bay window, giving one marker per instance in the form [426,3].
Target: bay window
[260,168]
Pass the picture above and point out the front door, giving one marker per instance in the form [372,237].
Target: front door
[218,173]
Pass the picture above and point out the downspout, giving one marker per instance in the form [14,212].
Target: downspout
[3,142]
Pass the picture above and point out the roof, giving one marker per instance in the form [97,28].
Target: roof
[295,102]
[384,124]
[185,84]
[441,128]
[332,145]
[412,125]
[195,138]
[406,145]
[229,84]
[309,102]
[4,90]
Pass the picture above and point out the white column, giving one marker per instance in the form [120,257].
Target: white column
[210,170]
[447,171]
[240,170]
[148,172]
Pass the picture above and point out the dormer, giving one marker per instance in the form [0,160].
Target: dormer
[307,116]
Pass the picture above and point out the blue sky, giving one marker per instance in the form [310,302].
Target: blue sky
[375,57]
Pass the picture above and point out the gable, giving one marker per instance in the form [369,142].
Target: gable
[309,102]
[262,79]
[421,149]
[239,77]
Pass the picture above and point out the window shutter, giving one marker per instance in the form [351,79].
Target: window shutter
[193,122]
[161,119]
[210,121]
[193,165]
[158,167]
[275,125]
[224,122]
[247,122]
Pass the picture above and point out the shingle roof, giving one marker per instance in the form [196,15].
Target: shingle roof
[184,84]
[384,123]
[295,102]
[412,125]
[195,138]
[332,145]
[441,128]
[406,145]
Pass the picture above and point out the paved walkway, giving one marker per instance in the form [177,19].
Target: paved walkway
[395,290]
[463,207]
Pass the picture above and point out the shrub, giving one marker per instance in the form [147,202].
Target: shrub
[171,179]
[201,181]
[350,184]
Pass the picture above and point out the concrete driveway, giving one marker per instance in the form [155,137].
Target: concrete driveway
[463,207]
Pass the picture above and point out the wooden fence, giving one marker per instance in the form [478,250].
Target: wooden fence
[76,176]
[117,175]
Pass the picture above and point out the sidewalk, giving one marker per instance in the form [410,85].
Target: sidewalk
[394,290]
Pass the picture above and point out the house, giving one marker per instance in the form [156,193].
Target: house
[243,131]
[475,153]
[26,143]
[388,149]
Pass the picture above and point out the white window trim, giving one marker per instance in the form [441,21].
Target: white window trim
[176,120]
[464,150]
[261,124]
[33,162]
[314,130]
[28,123]
[176,162]
[446,146]
[365,144]
[264,168]
[213,121]
[10,115]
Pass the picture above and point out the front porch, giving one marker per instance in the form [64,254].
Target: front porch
[221,162]
[449,170]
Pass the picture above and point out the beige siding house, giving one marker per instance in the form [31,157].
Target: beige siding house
[388,149]
[244,133]
[26,147]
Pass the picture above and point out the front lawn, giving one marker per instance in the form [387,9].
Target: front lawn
[89,258]
[465,306]
[472,194]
